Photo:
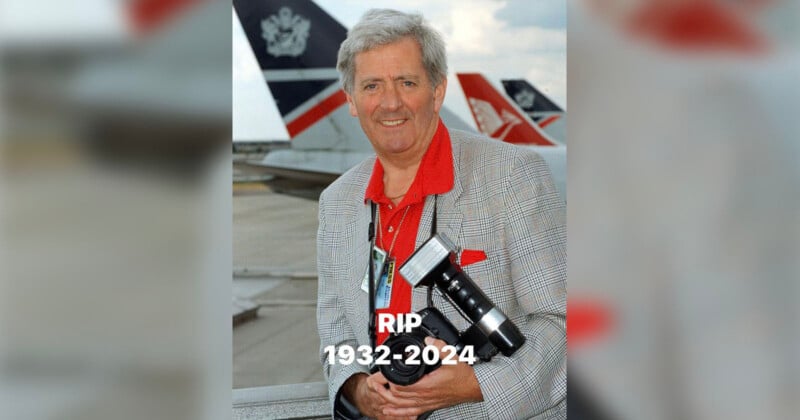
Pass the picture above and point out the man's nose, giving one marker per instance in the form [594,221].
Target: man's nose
[390,100]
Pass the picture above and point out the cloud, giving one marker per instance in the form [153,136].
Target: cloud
[547,14]
[474,30]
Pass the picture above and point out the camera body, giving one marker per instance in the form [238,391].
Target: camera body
[434,263]
[434,324]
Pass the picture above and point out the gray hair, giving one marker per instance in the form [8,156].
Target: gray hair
[384,26]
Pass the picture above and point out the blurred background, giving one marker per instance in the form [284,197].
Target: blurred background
[684,208]
[115,214]
[115,209]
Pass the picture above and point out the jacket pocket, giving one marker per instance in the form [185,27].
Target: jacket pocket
[471,256]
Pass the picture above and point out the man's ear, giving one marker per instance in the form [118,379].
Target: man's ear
[351,105]
[438,94]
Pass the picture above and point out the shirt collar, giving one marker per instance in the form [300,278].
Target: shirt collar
[434,176]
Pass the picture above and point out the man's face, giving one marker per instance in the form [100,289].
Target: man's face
[394,100]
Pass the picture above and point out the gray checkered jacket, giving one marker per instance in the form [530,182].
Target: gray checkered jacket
[503,202]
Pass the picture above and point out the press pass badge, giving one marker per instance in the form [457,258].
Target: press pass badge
[378,259]
[383,293]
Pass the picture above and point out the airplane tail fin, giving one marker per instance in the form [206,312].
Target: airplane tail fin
[538,106]
[296,44]
[498,117]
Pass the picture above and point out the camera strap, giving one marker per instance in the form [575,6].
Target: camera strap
[373,337]
[433,232]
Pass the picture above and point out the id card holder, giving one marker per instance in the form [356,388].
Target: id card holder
[378,260]
[383,293]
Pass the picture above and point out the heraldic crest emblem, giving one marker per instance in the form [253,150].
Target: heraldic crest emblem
[525,98]
[286,33]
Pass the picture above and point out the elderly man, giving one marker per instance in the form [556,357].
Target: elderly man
[495,201]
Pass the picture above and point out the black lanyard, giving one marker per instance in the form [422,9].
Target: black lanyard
[371,270]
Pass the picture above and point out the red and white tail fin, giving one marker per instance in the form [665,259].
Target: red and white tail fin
[497,116]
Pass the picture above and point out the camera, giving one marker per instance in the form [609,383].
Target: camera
[434,264]
[434,324]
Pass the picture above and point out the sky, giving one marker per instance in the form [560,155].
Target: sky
[499,38]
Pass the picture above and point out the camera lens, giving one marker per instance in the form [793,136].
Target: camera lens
[398,371]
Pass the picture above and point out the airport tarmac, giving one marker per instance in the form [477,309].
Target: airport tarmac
[274,260]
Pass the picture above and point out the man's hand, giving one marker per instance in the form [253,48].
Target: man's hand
[361,390]
[444,387]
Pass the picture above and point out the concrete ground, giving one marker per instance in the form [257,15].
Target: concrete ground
[274,259]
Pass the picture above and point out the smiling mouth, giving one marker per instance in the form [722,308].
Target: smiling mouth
[392,123]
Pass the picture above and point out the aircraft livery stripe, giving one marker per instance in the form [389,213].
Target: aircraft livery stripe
[316,113]
[547,121]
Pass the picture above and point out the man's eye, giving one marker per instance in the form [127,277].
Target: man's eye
[371,86]
[408,83]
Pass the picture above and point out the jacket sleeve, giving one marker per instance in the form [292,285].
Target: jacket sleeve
[331,322]
[532,382]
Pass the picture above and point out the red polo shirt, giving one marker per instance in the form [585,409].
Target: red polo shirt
[434,176]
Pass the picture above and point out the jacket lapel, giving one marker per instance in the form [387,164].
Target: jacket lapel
[448,221]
